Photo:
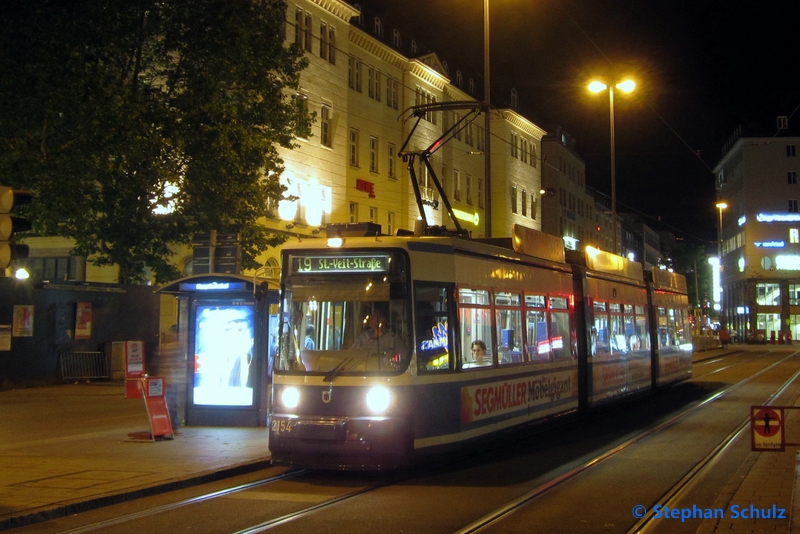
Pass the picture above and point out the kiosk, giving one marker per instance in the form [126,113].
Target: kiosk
[223,328]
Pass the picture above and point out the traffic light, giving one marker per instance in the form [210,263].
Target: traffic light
[10,225]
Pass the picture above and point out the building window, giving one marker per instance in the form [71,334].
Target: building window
[354,74]
[513,145]
[327,43]
[373,214]
[353,212]
[791,177]
[391,92]
[791,151]
[413,47]
[443,180]
[472,86]
[524,203]
[378,27]
[793,205]
[794,294]
[390,165]
[325,126]
[794,235]
[480,193]
[301,101]
[533,154]
[374,81]
[768,294]
[459,78]
[298,27]
[373,153]
[481,141]
[396,38]
[390,225]
[332,45]
[456,184]
[426,97]
[353,147]
[307,33]
[514,198]
[323,40]
[468,186]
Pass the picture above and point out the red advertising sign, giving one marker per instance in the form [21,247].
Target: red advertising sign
[156,404]
[134,369]
[83,320]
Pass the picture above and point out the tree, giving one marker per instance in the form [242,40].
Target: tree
[137,123]
[691,260]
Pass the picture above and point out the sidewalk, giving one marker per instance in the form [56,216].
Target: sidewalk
[64,449]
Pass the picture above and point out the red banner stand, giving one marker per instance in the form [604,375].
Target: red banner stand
[134,369]
[155,403]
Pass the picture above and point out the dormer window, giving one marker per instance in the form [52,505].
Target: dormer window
[446,68]
[360,17]
[472,86]
[378,27]
[413,47]
[459,78]
[396,38]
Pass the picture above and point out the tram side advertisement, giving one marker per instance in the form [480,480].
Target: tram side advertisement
[544,394]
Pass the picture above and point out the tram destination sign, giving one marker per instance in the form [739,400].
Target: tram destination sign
[361,263]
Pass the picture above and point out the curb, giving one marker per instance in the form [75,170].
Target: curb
[108,500]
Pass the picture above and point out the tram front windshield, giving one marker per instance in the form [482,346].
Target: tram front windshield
[343,327]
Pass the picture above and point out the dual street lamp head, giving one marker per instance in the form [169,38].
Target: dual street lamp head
[626,86]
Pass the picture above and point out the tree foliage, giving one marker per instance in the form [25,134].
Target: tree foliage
[107,106]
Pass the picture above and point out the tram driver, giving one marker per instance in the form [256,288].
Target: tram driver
[378,337]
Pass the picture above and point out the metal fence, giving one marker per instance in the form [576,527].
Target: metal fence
[79,365]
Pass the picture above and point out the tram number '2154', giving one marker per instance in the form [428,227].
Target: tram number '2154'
[281,426]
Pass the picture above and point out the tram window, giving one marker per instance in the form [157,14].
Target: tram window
[508,319]
[560,337]
[538,349]
[558,303]
[618,341]
[599,306]
[600,335]
[476,325]
[432,307]
[627,309]
[639,310]
[642,332]
[614,307]
[534,301]
[479,297]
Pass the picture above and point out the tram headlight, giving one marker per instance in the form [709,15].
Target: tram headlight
[290,397]
[378,399]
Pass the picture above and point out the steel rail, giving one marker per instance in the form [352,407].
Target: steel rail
[499,514]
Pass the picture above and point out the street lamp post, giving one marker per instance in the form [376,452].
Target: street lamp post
[720,206]
[487,148]
[625,86]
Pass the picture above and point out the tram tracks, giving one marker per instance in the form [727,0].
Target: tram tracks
[669,497]
[499,514]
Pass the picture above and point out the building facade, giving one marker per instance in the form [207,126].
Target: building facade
[760,229]
[569,209]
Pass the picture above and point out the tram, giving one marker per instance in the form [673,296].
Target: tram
[394,348]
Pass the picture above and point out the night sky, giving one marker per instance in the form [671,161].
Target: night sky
[702,68]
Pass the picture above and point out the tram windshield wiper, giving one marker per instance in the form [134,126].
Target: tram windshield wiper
[336,370]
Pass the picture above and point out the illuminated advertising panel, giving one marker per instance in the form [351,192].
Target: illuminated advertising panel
[223,355]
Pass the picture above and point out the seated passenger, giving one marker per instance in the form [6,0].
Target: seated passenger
[479,356]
